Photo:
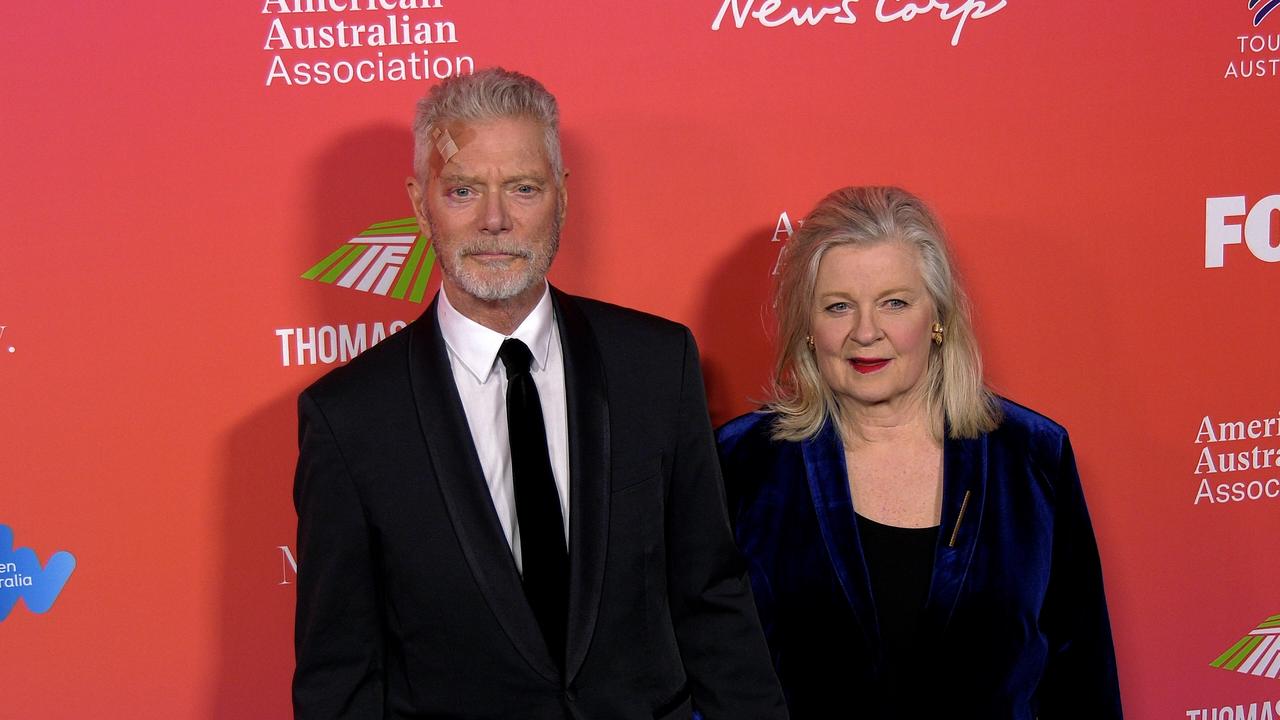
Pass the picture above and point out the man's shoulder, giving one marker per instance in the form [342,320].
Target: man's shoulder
[383,365]
[599,310]
[614,324]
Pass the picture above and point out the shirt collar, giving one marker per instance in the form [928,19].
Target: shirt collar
[476,346]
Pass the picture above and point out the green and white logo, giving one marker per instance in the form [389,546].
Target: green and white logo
[1257,653]
[387,258]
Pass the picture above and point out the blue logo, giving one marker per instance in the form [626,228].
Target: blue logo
[1263,11]
[22,577]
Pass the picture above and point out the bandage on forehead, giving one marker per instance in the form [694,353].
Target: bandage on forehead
[444,143]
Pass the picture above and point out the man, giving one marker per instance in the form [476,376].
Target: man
[512,508]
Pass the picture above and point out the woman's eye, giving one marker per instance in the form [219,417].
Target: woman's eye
[838,307]
[895,304]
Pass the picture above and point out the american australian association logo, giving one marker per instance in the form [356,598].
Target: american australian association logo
[1258,652]
[22,577]
[390,258]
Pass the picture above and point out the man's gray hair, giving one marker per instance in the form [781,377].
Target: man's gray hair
[489,94]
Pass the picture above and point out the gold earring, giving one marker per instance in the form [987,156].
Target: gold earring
[808,340]
[937,330]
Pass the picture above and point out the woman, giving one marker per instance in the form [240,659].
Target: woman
[917,545]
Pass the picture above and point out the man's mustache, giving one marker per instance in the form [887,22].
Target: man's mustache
[495,248]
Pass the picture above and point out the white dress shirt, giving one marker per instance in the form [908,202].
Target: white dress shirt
[482,384]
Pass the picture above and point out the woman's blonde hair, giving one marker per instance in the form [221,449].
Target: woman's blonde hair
[860,216]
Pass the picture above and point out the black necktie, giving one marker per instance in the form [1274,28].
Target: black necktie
[543,554]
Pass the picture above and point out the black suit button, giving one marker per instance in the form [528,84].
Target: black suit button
[570,695]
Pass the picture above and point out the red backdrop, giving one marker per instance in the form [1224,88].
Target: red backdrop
[166,181]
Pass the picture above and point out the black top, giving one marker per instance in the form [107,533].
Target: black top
[900,561]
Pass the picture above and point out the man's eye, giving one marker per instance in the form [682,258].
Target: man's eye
[461,192]
[526,189]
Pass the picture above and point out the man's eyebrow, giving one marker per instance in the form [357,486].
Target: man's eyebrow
[458,178]
[526,177]
[454,178]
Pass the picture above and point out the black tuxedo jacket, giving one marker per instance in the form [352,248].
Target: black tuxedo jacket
[409,602]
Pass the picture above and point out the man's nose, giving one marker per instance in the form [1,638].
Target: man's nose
[496,219]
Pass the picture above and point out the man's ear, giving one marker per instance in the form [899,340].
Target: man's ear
[564,195]
[417,196]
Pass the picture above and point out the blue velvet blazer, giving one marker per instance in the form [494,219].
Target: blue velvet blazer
[1015,625]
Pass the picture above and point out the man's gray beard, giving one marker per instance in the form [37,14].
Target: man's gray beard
[477,285]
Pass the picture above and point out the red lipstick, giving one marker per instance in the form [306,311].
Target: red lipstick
[866,366]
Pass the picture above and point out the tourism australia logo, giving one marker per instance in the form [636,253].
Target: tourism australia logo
[22,577]
[1257,653]
[387,258]
[1262,8]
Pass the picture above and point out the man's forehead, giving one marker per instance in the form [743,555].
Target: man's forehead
[517,140]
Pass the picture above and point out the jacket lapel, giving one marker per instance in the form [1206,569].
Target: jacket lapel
[829,487]
[964,484]
[589,475]
[466,496]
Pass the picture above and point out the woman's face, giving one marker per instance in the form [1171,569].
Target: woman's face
[872,319]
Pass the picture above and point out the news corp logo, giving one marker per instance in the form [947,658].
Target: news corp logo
[21,576]
[388,258]
[1232,220]
[740,14]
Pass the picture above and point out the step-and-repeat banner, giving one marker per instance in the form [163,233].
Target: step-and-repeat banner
[203,210]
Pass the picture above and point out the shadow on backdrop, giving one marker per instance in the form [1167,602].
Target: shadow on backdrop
[736,327]
[573,269]
[357,180]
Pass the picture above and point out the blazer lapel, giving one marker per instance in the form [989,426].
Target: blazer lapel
[589,475]
[964,484]
[466,496]
[829,487]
